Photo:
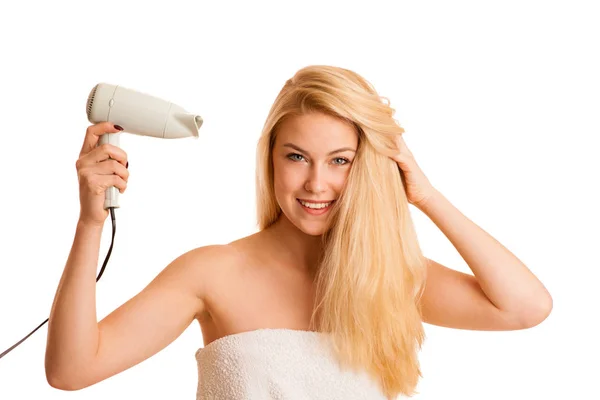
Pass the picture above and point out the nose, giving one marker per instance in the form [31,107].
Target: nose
[316,181]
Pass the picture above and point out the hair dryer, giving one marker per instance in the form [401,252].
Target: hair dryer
[136,113]
[140,114]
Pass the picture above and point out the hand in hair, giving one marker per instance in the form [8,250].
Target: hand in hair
[418,188]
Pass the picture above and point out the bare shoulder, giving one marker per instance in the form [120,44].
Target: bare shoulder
[227,267]
[208,266]
[218,274]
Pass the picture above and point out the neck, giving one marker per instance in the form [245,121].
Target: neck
[298,249]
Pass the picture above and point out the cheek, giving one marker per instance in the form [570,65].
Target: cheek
[285,177]
[339,180]
[285,180]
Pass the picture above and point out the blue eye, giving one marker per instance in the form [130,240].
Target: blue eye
[292,155]
[346,161]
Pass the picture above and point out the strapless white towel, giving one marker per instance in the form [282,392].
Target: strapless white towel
[277,364]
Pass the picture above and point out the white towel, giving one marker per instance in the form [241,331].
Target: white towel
[278,364]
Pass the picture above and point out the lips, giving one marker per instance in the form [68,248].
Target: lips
[315,211]
[316,201]
[329,203]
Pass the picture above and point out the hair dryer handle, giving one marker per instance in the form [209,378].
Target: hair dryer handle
[111,197]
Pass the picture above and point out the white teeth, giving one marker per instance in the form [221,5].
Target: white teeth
[315,205]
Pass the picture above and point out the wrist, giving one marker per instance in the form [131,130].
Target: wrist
[426,202]
[87,224]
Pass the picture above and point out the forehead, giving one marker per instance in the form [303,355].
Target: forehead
[316,132]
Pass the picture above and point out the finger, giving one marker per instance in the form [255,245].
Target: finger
[112,167]
[102,172]
[119,183]
[101,153]
[402,145]
[93,133]
[114,180]
[400,142]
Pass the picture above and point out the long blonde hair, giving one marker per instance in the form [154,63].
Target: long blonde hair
[371,274]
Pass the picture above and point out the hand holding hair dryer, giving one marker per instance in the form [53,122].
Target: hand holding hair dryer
[136,113]
[140,114]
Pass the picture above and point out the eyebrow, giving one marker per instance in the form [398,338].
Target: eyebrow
[293,146]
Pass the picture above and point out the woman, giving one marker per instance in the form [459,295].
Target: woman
[328,298]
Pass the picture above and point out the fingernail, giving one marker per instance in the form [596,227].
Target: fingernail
[127,165]
[118,127]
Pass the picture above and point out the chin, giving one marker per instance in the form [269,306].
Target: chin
[311,228]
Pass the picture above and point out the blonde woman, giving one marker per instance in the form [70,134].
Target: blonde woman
[327,300]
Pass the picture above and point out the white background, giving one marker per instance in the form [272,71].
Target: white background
[500,105]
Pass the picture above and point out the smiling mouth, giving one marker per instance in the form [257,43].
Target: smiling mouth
[315,206]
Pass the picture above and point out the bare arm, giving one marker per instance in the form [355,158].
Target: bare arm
[72,328]
[81,352]
[502,293]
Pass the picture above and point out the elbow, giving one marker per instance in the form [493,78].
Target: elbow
[59,382]
[67,384]
[537,313]
[62,380]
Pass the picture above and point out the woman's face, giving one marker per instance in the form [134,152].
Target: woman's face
[312,156]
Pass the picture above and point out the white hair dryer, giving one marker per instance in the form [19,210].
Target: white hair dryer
[140,114]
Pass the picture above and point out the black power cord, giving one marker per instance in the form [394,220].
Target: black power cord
[114,227]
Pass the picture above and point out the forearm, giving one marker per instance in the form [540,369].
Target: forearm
[505,280]
[73,327]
